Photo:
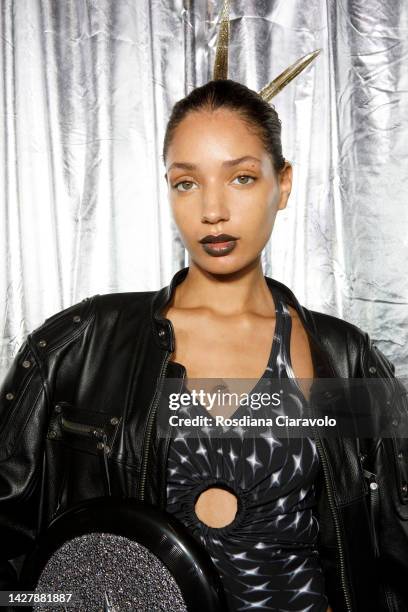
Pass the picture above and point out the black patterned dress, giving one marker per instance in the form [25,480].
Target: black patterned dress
[267,556]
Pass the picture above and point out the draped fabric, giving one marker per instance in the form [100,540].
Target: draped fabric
[86,89]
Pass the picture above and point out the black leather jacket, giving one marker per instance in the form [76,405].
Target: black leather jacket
[78,420]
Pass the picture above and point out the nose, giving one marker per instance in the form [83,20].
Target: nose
[213,207]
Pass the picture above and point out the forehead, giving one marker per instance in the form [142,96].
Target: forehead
[218,134]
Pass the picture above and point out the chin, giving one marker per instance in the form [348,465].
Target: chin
[223,265]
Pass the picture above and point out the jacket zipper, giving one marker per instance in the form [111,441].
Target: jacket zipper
[336,525]
[308,325]
[149,427]
[166,452]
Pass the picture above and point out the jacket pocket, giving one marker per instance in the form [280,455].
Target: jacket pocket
[81,442]
[83,430]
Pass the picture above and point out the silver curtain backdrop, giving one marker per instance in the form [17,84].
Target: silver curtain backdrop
[86,89]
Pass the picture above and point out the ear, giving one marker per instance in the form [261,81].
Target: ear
[285,184]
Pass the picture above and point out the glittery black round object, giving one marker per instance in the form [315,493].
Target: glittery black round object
[120,555]
[109,572]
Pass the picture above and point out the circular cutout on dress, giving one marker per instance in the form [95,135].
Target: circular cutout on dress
[211,483]
[216,507]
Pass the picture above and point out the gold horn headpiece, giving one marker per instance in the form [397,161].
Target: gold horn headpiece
[221,60]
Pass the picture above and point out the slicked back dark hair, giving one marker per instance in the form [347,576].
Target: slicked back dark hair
[225,93]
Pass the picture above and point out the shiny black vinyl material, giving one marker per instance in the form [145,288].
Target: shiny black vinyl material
[78,413]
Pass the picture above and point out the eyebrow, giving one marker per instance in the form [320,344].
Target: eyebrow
[228,163]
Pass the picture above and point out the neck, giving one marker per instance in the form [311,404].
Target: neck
[236,293]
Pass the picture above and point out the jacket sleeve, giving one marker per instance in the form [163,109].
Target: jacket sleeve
[23,411]
[389,465]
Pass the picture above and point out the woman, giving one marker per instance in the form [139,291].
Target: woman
[291,529]
[226,176]
[251,502]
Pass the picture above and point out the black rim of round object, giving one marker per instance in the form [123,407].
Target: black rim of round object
[159,532]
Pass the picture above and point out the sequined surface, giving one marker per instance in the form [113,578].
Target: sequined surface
[109,573]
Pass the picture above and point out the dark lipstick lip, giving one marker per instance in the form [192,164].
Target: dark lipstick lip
[211,238]
[219,251]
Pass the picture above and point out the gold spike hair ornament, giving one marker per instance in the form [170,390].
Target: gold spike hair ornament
[221,60]
[221,53]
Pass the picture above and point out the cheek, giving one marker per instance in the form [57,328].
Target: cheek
[259,207]
[272,194]
[260,215]
[185,216]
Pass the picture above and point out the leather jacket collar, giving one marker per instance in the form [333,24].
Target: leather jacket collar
[164,333]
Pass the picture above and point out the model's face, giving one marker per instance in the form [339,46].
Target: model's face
[221,180]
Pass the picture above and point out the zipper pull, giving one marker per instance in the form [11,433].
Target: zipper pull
[374,507]
[103,446]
